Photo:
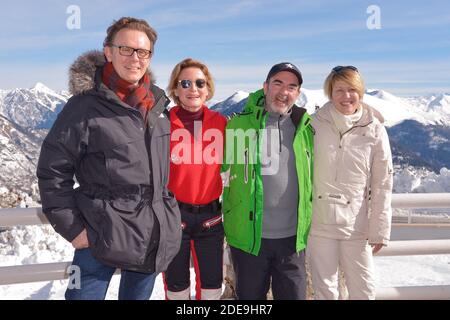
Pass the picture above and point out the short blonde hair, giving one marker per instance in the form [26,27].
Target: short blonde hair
[189,63]
[349,76]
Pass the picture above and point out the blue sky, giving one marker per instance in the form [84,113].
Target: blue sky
[240,40]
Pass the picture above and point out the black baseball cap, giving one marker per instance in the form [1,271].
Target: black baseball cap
[285,66]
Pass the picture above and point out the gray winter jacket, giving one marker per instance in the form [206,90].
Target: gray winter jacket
[122,166]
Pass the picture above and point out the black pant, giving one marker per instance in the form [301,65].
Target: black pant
[278,262]
[203,234]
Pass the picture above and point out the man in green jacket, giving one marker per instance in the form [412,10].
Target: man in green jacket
[268,189]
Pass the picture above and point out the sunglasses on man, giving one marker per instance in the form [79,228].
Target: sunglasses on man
[338,69]
[186,84]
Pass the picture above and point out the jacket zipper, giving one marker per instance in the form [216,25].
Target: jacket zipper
[252,216]
[308,156]
[161,250]
[341,135]
[279,135]
[246,166]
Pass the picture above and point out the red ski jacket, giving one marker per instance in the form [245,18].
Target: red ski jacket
[195,162]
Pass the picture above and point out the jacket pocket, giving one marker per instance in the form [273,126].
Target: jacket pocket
[207,224]
[124,233]
[91,210]
[230,204]
[332,209]
[170,236]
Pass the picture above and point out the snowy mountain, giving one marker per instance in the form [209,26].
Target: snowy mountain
[233,104]
[34,108]
[419,128]
[419,145]
[432,109]
[19,151]
[25,117]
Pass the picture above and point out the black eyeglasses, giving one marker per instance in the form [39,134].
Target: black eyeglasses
[186,84]
[128,51]
[338,69]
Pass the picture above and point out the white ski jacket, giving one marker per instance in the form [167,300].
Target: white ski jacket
[352,178]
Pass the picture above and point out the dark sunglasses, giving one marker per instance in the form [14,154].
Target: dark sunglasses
[186,84]
[338,69]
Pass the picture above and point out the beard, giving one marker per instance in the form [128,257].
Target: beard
[272,107]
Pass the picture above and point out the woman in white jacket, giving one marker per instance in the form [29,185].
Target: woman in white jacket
[352,189]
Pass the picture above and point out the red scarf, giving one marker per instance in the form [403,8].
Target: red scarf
[137,96]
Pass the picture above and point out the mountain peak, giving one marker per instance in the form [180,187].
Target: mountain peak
[381,94]
[441,101]
[40,87]
[238,96]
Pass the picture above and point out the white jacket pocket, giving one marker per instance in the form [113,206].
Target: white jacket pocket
[333,209]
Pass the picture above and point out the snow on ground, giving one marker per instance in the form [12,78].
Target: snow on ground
[410,179]
[39,244]
[412,270]
[54,290]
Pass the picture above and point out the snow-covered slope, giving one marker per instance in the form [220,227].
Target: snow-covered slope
[233,104]
[419,128]
[19,151]
[27,114]
[433,109]
[34,108]
[25,117]
[410,179]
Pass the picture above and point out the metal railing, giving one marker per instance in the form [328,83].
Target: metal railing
[60,270]
[427,200]
[412,248]
[420,200]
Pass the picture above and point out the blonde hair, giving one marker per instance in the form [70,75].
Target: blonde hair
[189,63]
[351,77]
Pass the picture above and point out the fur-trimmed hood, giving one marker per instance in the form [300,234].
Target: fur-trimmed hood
[83,69]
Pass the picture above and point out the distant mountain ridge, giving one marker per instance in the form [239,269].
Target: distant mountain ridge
[34,108]
[419,127]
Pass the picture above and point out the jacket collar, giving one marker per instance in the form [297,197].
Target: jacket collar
[369,114]
[207,121]
[85,76]
[255,105]
[83,72]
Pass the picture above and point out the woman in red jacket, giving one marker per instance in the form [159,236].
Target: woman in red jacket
[196,148]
